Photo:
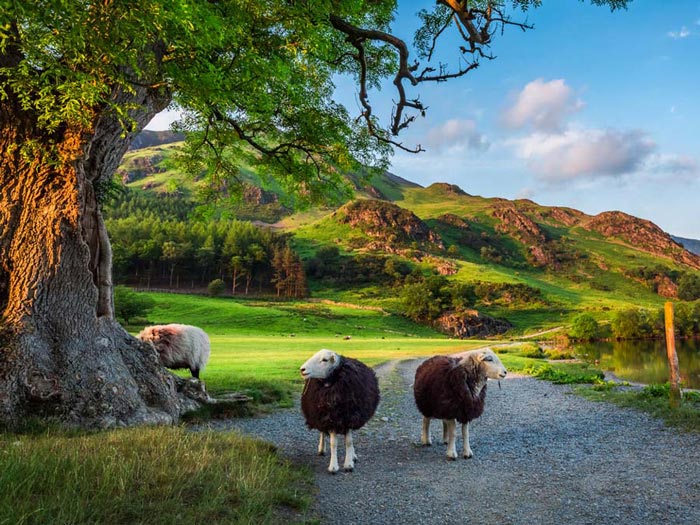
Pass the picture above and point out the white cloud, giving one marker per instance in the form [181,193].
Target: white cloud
[585,153]
[542,105]
[677,35]
[675,165]
[525,193]
[456,134]
[163,120]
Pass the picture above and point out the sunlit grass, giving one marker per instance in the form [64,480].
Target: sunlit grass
[164,475]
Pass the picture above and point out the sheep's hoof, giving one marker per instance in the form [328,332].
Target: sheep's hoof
[348,469]
[452,458]
[321,453]
[332,471]
[468,456]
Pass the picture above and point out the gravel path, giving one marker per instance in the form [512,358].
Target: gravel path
[541,456]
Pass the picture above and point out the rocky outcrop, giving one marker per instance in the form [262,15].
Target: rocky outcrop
[518,225]
[641,234]
[665,287]
[391,226]
[139,168]
[257,196]
[453,220]
[470,323]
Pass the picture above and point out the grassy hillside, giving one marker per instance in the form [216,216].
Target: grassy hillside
[578,262]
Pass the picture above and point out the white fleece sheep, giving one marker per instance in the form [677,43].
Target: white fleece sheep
[179,346]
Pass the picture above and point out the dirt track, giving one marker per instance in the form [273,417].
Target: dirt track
[541,456]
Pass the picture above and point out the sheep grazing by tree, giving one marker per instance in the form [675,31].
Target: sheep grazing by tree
[179,346]
[453,388]
[340,395]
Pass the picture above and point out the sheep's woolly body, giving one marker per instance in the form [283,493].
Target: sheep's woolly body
[179,346]
[444,389]
[340,395]
[343,401]
[454,389]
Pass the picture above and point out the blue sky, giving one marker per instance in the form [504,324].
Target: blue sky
[591,109]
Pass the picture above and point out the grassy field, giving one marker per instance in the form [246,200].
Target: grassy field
[172,475]
[258,346]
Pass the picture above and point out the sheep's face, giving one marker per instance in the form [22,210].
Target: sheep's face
[491,365]
[320,365]
[157,337]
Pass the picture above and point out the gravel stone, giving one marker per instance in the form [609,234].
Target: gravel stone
[541,456]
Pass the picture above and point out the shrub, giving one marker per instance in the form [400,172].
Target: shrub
[216,287]
[129,304]
[584,327]
[689,287]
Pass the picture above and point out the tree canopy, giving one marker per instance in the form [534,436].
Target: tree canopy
[254,78]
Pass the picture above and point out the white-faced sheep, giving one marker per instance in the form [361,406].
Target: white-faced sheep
[340,395]
[453,388]
[179,346]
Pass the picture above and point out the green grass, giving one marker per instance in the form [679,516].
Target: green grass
[164,475]
[258,346]
[654,400]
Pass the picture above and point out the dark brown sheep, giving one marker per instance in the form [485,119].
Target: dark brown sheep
[452,388]
[340,395]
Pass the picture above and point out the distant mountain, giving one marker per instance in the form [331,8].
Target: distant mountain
[147,138]
[692,245]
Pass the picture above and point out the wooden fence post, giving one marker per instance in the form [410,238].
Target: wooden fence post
[675,377]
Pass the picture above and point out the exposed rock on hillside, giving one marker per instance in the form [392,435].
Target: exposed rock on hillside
[392,226]
[642,235]
[257,196]
[140,168]
[470,323]
[519,225]
[566,216]
[665,287]
[453,220]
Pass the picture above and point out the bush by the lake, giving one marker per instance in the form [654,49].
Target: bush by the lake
[639,323]
[584,327]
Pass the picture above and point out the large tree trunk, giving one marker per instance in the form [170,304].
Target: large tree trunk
[62,354]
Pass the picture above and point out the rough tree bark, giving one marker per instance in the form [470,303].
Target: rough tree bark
[62,353]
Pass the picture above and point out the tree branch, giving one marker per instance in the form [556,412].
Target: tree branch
[475,26]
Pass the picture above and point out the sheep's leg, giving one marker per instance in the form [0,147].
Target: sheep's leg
[425,433]
[321,444]
[466,449]
[333,466]
[350,456]
[195,372]
[444,432]
[451,446]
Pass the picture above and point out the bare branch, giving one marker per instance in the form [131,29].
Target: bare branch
[475,26]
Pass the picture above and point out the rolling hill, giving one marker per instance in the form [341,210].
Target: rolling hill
[577,261]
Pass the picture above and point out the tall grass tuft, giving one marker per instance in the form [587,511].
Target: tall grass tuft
[162,475]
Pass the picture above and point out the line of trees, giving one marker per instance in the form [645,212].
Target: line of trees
[638,323]
[150,252]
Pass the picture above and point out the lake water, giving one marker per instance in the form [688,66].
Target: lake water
[644,361]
